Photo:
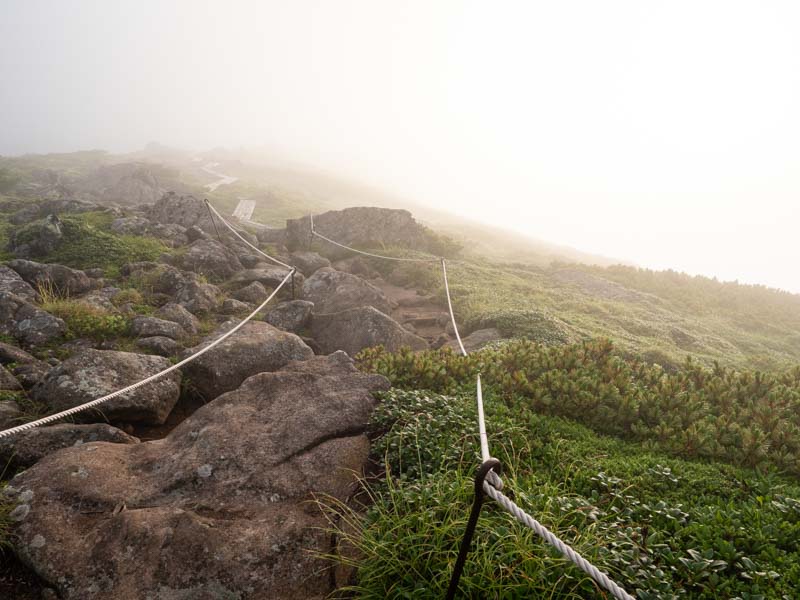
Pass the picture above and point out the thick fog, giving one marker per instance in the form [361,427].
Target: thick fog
[663,133]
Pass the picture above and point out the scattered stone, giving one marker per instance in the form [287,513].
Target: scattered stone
[11,282]
[178,314]
[28,447]
[232,306]
[194,233]
[358,328]
[95,373]
[198,298]
[64,280]
[10,413]
[308,262]
[142,326]
[101,299]
[8,383]
[29,374]
[293,316]
[12,354]
[255,348]
[333,291]
[136,225]
[95,273]
[249,261]
[28,323]
[254,293]
[163,346]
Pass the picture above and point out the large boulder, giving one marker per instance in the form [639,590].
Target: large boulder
[63,280]
[210,258]
[365,227]
[358,328]
[255,348]
[143,327]
[11,282]
[186,211]
[28,323]
[334,291]
[8,382]
[308,262]
[26,448]
[199,298]
[178,314]
[293,316]
[268,275]
[254,293]
[95,373]
[222,507]
[38,238]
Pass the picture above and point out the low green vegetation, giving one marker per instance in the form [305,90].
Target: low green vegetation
[662,527]
[85,321]
[88,243]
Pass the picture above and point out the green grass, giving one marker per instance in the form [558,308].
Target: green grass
[661,527]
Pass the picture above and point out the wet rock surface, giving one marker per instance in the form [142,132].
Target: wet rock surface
[217,509]
[257,347]
[28,447]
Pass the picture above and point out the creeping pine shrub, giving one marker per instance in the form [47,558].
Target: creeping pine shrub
[662,528]
[741,417]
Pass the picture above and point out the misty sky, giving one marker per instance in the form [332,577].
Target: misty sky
[665,133]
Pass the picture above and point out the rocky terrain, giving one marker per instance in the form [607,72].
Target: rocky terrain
[203,483]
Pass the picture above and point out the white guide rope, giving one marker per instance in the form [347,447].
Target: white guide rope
[544,533]
[138,384]
[450,308]
[236,233]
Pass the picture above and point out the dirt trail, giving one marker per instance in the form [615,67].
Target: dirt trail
[427,316]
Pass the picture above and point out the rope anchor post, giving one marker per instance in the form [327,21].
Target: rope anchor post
[492,464]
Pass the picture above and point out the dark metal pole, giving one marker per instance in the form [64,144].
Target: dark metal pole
[213,222]
[490,465]
[293,295]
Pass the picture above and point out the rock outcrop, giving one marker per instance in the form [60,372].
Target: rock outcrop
[334,291]
[217,509]
[358,328]
[186,211]
[140,187]
[210,258]
[95,373]
[365,227]
[257,347]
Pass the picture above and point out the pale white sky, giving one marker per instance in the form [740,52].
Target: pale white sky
[665,133]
